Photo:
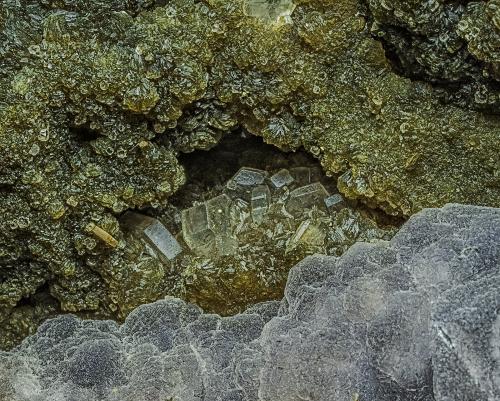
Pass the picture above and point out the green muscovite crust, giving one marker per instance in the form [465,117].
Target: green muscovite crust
[98,98]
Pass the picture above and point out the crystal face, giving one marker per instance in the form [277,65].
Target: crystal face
[277,11]
[306,197]
[155,234]
[243,182]
[261,197]
[308,235]
[218,209]
[197,233]
[334,202]
[248,177]
[305,175]
[281,178]
[239,243]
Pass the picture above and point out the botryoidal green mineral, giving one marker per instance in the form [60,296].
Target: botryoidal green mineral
[98,98]
[452,44]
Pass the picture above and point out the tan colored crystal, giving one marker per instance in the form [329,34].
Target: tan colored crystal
[102,235]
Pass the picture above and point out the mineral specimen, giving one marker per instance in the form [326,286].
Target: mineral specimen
[153,233]
[274,11]
[98,99]
[206,253]
[363,326]
[451,44]
[467,341]
[239,245]
[281,178]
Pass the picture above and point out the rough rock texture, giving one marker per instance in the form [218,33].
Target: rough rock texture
[98,98]
[466,330]
[389,320]
[451,44]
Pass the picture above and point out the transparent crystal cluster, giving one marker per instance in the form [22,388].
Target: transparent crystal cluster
[273,11]
[236,248]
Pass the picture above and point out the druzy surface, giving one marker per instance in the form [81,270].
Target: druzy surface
[100,99]
[415,318]
[238,246]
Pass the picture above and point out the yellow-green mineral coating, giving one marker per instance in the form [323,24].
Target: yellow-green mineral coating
[97,98]
[237,247]
[452,44]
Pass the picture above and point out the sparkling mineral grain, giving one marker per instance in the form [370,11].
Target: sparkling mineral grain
[99,100]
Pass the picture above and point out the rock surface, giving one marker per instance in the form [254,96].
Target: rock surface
[452,44]
[238,246]
[415,318]
[99,98]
